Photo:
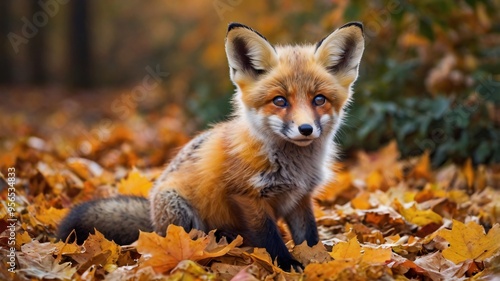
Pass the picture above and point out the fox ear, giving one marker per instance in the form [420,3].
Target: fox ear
[341,51]
[248,52]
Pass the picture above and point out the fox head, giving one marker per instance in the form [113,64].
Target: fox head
[297,93]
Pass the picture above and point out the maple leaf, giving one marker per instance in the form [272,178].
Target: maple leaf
[322,271]
[416,216]
[361,201]
[135,184]
[469,242]
[439,268]
[97,250]
[315,254]
[375,255]
[423,167]
[36,260]
[51,216]
[164,253]
[347,250]
[352,250]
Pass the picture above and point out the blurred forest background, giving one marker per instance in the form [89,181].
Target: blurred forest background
[429,78]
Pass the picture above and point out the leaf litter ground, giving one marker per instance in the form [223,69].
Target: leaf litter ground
[382,219]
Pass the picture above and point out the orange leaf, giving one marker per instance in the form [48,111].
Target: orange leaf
[423,167]
[135,184]
[468,171]
[164,253]
[376,181]
[376,255]
[353,250]
[51,216]
[323,271]
[361,201]
[347,250]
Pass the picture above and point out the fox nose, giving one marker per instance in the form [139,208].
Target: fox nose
[305,129]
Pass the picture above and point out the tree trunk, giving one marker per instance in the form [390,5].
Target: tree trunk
[80,44]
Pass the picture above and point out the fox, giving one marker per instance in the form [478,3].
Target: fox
[261,165]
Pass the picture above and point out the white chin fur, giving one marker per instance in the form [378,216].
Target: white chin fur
[304,142]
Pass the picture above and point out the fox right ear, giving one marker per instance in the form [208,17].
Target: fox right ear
[341,51]
[248,52]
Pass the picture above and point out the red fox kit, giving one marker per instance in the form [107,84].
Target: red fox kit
[263,164]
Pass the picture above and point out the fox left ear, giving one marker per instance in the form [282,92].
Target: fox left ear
[341,51]
[248,52]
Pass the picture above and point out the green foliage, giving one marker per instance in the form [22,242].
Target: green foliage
[429,80]
[455,132]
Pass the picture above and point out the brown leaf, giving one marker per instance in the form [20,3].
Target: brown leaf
[36,260]
[439,268]
[315,254]
[97,250]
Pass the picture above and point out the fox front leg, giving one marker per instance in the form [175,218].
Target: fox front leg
[302,223]
[268,236]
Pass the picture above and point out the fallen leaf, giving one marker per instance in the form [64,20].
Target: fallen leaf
[468,172]
[36,260]
[315,254]
[376,181]
[469,242]
[164,253]
[97,250]
[323,271]
[416,216]
[361,201]
[374,255]
[423,167]
[347,250]
[135,184]
[51,216]
[188,270]
[439,268]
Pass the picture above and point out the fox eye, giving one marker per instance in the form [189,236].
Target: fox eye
[280,101]
[319,100]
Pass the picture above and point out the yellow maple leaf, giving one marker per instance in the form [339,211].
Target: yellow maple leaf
[416,216]
[347,250]
[361,201]
[376,181]
[51,216]
[322,271]
[135,184]
[352,250]
[376,255]
[164,253]
[469,242]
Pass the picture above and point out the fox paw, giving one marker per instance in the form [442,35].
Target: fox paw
[288,264]
[230,236]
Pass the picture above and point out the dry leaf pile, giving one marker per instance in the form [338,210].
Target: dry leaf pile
[382,218]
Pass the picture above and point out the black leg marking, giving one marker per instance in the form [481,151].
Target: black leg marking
[302,223]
